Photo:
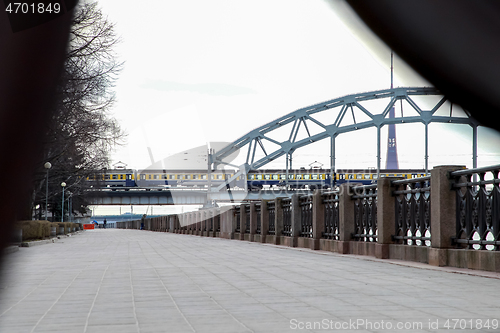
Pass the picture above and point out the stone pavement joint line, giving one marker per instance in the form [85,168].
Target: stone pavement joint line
[119,280]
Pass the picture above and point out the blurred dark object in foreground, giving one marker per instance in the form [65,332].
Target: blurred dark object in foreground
[31,61]
[452,43]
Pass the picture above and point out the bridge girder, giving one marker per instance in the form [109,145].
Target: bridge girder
[254,139]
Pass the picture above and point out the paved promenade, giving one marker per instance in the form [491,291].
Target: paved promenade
[139,281]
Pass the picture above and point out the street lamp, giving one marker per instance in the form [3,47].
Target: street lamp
[70,196]
[47,166]
[63,184]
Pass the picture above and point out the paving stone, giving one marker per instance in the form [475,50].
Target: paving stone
[135,281]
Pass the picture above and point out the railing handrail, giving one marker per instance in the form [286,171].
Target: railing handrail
[412,180]
[476,170]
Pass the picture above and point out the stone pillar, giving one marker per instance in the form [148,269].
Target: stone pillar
[264,221]
[443,214]
[203,222]
[346,217]
[253,221]
[278,220]
[386,217]
[318,219]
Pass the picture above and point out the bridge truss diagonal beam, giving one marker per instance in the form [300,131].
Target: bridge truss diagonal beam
[332,130]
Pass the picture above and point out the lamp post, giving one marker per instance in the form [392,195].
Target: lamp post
[63,184]
[70,196]
[47,166]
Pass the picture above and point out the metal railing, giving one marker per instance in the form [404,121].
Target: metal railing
[237,216]
[247,219]
[331,203]
[259,224]
[271,209]
[478,207]
[413,211]
[306,216]
[286,204]
[365,213]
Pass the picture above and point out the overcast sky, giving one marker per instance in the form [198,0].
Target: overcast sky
[199,71]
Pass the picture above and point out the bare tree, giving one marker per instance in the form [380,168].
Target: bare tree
[82,133]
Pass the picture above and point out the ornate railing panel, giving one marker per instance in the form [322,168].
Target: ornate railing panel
[478,208]
[306,208]
[365,213]
[331,202]
[259,224]
[238,218]
[413,211]
[286,204]
[272,213]
[247,219]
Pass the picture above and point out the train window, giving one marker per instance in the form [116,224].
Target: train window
[282,176]
[187,177]
[106,177]
[321,177]
[298,176]
[129,177]
[290,176]
[275,176]
[251,177]
[307,176]
[367,176]
[219,176]
[142,176]
[267,176]
[195,176]
[170,176]
[359,176]
[375,177]
[203,176]
[350,176]
[156,176]
[259,176]
[314,176]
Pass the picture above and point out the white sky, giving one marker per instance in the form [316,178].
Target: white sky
[198,71]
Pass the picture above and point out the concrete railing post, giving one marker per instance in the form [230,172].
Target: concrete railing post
[386,217]
[318,218]
[443,214]
[203,223]
[346,217]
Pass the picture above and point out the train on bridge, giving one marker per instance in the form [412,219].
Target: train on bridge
[255,180]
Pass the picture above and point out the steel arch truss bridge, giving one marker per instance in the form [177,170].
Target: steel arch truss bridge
[337,116]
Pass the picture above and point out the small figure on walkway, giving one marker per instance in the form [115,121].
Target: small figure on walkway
[104,223]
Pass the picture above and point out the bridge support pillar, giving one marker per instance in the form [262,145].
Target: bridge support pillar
[443,214]
[264,221]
